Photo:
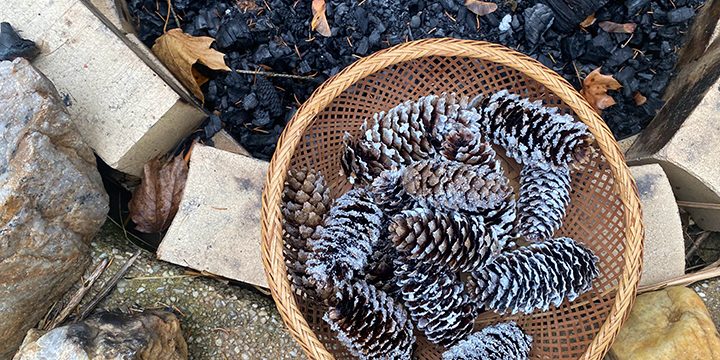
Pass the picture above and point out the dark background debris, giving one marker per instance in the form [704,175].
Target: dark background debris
[12,46]
[274,36]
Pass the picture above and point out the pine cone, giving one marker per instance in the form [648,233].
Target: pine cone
[531,133]
[380,270]
[351,229]
[500,222]
[535,277]
[464,146]
[306,200]
[544,197]
[267,96]
[369,323]
[436,300]
[354,162]
[389,194]
[451,185]
[505,341]
[455,240]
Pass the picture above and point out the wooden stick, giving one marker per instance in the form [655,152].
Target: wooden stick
[272,74]
[713,270]
[696,244]
[698,205]
[78,296]
[109,286]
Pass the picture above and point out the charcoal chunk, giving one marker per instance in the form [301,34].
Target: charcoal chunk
[538,20]
[680,15]
[12,46]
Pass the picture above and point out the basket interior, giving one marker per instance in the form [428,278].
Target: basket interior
[595,216]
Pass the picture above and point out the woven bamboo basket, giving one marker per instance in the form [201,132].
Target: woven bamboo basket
[604,212]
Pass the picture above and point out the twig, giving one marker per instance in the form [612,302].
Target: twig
[164,277]
[696,244]
[698,205]
[78,296]
[713,270]
[272,74]
[109,286]
[175,16]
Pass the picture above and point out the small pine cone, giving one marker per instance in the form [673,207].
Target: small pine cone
[447,184]
[531,133]
[267,95]
[505,341]
[306,200]
[380,270]
[388,192]
[500,221]
[369,323]
[455,240]
[436,300]
[544,197]
[535,277]
[354,162]
[464,146]
[351,229]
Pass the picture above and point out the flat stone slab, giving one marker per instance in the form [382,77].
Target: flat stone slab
[123,108]
[217,228]
[664,255]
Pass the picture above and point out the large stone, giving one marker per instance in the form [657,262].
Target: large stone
[685,135]
[217,228]
[669,324]
[150,335]
[51,200]
[124,109]
[664,253]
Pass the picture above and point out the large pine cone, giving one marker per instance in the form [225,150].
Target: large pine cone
[531,133]
[436,300]
[500,222]
[351,229]
[535,277]
[369,323]
[456,240]
[389,194]
[505,341]
[306,200]
[544,197]
[451,185]
[465,146]
[380,270]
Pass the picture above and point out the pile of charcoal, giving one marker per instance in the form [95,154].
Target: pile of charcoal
[275,36]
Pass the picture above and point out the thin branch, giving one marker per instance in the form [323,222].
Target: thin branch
[696,244]
[713,270]
[698,205]
[109,286]
[78,296]
[272,74]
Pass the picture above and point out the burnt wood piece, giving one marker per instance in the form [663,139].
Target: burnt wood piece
[570,13]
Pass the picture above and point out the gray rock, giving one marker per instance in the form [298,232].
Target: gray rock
[150,335]
[51,200]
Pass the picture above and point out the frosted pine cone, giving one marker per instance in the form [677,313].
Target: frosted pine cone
[544,197]
[505,341]
[451,185]
[464,146]
[380,270]
[351,229]
[531,133]
[389,194]
[306,200]
[456,240]
[500,221]
[436,300]
[369,323]
[535,277]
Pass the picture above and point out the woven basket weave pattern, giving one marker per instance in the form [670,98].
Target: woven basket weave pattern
[604,212]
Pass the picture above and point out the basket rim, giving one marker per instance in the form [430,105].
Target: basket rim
[271,224]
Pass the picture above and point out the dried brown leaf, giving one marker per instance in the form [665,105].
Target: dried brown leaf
[180,51]
[155,202]
[639,98]
[611,27]
[480,8]
[319,21]
[588,21]
[595,88]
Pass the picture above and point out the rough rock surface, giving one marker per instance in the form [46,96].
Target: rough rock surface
[219,320]
[668,324]
[150,335]
[51,200]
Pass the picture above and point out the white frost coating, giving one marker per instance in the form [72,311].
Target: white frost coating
[543,201]
[504,341]
[505,23]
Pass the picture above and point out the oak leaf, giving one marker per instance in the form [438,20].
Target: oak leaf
[639,98]
[156,201]
[595,88]
[611,27]
[588,21]
[480,8]
[319,22]
[180,52]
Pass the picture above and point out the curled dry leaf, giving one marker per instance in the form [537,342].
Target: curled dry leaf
[611,27]
[319,21]
[180,51]
[481,8]
[155,202]
[595,88]
[639,98]
[588,21]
